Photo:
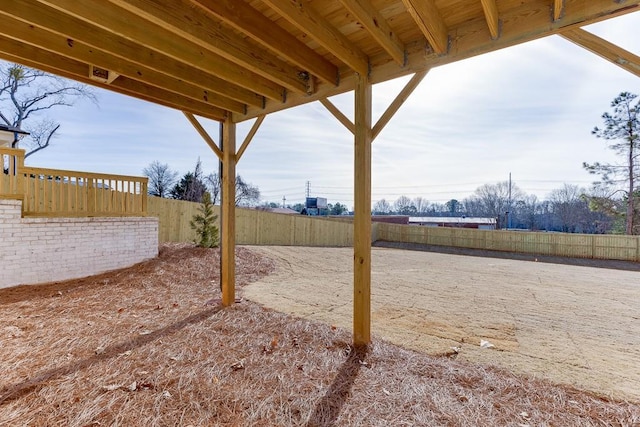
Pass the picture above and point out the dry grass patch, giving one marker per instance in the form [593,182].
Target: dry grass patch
[140,347]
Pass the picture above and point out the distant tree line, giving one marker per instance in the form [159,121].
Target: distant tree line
[566,209]
[192,186]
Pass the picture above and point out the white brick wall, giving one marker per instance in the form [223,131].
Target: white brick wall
[38,250]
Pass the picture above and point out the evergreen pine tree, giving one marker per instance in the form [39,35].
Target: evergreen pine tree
[204,223]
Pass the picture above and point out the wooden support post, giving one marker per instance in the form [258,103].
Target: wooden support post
[228,214]
[362,214]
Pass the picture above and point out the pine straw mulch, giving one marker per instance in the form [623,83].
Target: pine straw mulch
[141,347]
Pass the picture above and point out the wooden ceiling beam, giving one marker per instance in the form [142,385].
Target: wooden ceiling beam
[30,56]
[35,17]
[524,23]
[604,49]
[378,27]
[81,52]
[306,19]
[181,18]
[86,22]
[428,18]
[244,18]
[490,8]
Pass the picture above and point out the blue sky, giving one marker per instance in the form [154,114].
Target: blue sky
[527,110]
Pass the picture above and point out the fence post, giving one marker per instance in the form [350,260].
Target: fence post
[144,193]
[91,196]
[20,180]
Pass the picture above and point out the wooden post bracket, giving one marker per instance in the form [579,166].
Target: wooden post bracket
[389,113]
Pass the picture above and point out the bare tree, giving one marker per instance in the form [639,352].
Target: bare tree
[26,93]
[421,204]
[213,185]
[161,178]
[527,210]
[247,194]
[623,127]
[404,206]
[566,205]
[382,207]
[492,200]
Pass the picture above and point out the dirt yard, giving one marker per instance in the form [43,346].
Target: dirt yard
[569,324]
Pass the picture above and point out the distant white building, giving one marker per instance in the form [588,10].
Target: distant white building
[460,222]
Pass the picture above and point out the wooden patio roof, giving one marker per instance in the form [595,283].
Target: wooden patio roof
[241,59]
[233,60]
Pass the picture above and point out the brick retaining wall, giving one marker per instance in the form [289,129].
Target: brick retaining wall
[37,250]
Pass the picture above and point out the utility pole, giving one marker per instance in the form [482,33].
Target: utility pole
[509,212]
[284,200]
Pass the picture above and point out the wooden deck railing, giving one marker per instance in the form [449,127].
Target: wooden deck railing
[11,160]
[54,192]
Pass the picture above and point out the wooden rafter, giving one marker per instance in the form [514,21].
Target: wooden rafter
[303,16]
[91,56]
[558,9]
[469,42]
[378,27]
[180,18]
[33,18]
[490,8]
[609,51]
[248,20]
[17,51]
[427,17]
[240,59]
[147,38]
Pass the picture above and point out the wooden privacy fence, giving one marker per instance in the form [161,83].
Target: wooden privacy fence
[64,193]
[597,246]
[174,217]
[253,227]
